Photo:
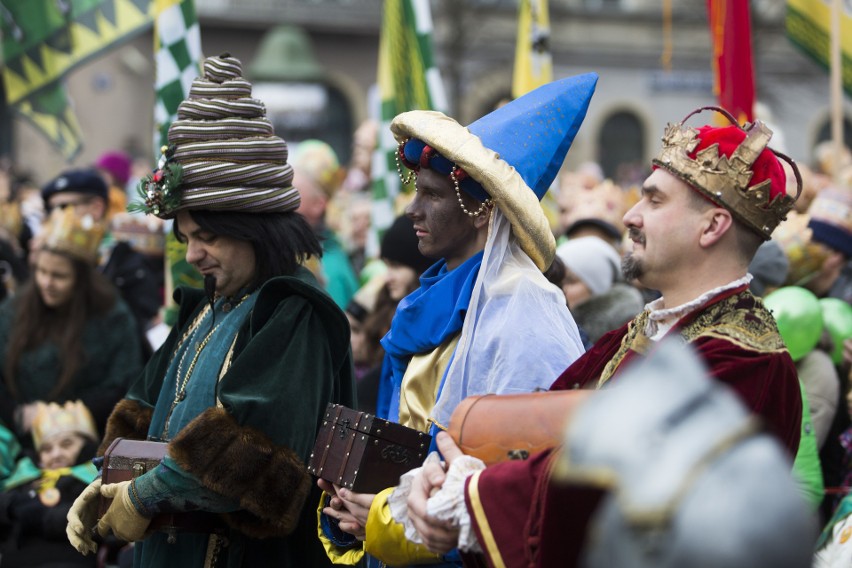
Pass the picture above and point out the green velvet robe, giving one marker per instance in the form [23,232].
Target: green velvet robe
[291,358]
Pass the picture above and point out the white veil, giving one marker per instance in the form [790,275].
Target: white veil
[517,336]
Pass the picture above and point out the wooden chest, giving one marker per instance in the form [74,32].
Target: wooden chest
[128,459]
[364,453]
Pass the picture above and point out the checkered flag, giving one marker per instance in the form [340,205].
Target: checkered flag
[408,79]
[177,52]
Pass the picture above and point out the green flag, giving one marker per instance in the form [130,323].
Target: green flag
[177,52]
[408,80]
[43,40]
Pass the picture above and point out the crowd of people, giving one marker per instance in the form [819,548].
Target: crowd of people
[478,286]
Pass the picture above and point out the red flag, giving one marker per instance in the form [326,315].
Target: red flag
[733,72]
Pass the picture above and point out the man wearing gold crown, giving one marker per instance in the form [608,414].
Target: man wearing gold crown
[238,389]
[715,194]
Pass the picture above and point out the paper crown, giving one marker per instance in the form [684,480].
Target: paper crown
[145,234]
[67,232]
[502,156]
[223,154]
[805,256]
[733,167]
[318,160]
[52,419]
[11,218]
[831,219]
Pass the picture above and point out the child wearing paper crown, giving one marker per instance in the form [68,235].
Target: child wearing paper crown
[36,497]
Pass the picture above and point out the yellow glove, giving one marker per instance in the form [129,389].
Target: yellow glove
[82,517]
[122,517]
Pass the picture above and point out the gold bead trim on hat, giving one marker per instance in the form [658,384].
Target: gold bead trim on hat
[412,174]
[405,179]
[469,213]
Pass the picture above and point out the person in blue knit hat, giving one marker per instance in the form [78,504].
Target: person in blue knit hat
[484,319]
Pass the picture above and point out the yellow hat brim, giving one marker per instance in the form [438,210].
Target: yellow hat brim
[504,184]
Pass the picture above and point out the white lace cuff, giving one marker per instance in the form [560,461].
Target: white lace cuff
[447,504]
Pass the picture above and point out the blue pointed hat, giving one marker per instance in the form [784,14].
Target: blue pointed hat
[510,155]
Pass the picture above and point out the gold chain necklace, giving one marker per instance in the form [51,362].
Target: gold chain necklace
[180,384]
[181,379]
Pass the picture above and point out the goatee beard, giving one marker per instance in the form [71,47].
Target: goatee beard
[210,288]
[631,267]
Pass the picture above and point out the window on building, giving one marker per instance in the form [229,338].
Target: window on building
[825,132]
[621,148]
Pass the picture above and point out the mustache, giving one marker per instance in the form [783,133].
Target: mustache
[636,235]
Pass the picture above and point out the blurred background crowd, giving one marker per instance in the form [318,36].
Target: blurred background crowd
[79,326]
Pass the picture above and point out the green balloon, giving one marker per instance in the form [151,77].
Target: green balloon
[798,313]
[837,316]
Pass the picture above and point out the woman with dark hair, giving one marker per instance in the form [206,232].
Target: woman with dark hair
[67,335]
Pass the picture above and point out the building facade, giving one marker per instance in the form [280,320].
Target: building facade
[649,74]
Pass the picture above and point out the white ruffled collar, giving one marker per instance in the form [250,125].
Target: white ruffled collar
[661,320]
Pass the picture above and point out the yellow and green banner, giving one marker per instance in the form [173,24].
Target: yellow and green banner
[408,79]
[809,28]
[45,39]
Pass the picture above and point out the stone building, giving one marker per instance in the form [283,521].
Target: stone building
[622,40]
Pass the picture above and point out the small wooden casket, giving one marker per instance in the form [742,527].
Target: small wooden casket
[128,459]
[364,453]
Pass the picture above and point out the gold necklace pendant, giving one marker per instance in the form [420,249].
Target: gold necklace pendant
[50,497]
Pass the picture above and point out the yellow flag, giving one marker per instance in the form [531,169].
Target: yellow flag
[534,68]
[533,61]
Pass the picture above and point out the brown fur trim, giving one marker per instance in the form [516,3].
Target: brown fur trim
[129,419]
[270,482]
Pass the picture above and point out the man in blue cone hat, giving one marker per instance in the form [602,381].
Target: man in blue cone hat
[485,319]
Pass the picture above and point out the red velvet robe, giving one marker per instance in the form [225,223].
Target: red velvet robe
[522,520]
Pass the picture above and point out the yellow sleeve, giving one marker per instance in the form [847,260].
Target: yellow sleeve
[386,538]
[347,556]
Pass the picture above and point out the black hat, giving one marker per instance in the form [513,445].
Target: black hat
[399,244]
[607,228]
[86,181]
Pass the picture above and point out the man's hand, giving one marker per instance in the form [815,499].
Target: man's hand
[122,517]
[349,508]
[438,536]
[82,517]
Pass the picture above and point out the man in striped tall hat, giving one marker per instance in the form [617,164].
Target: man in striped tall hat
[238,388]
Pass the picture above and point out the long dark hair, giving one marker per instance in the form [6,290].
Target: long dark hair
[281,241]
[34,323]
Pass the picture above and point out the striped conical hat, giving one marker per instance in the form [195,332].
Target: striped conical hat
[228,155]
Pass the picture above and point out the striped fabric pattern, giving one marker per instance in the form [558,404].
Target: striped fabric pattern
[408,79]
[230,157]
